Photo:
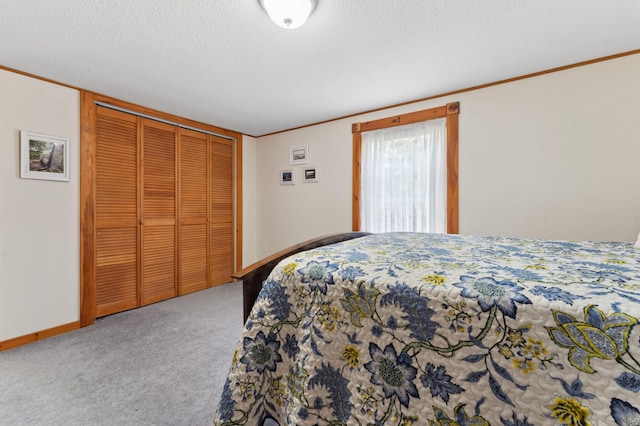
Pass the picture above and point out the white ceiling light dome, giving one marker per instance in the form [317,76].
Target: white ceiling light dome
[289,14]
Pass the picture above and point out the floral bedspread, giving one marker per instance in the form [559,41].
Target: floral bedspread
[428,329]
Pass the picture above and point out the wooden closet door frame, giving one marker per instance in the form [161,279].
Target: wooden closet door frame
[88,253]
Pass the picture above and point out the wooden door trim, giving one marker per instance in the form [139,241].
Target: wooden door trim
[88,258]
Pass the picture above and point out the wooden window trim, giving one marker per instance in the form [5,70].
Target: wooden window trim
[450,111]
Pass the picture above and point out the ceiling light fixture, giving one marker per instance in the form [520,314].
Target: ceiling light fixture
[289,14]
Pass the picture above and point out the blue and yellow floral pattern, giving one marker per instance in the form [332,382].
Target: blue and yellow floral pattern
[405,328]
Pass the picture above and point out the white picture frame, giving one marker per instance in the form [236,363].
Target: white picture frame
[44,157]
[310,174]
[298,154]
[286,177]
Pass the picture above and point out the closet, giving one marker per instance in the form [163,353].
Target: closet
[164,210]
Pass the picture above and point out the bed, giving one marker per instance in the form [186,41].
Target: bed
[409,328]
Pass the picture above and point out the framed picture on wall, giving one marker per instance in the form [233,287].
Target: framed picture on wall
[43,157]
[299,154]
[286,177]
[310,174]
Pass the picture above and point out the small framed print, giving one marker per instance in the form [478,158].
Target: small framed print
[44,157]
[299,154]
[286,177]
[310,174]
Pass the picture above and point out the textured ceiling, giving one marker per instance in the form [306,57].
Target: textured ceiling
[225,63]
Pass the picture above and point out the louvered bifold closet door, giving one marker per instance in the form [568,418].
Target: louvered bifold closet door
[158,222]
[116,211]
[222,241]
[194,213]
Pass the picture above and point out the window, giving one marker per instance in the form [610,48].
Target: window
[405,172]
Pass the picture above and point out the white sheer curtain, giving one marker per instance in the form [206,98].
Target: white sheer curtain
[403,178]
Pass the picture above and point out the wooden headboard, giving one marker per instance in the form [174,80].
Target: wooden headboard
[254,275]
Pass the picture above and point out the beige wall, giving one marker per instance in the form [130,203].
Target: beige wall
[249,243]
[554,156]
[39,220]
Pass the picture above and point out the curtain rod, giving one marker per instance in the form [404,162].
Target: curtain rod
[162,120]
